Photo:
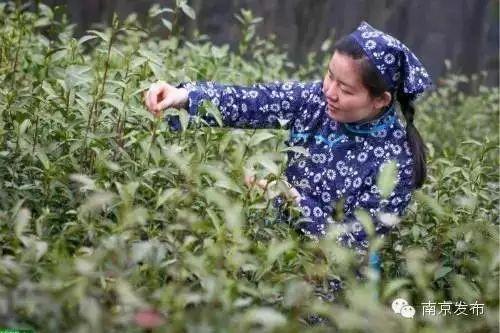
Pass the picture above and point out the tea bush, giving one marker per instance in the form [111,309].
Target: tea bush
[110,222]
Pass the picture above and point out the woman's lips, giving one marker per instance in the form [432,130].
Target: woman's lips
[333,108]
[331,105]
[332,111]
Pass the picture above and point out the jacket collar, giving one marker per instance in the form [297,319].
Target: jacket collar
[373,126]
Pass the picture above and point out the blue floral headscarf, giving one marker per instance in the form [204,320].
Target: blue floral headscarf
[400,68]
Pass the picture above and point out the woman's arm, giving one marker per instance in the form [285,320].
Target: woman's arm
[384,212]
[261,105]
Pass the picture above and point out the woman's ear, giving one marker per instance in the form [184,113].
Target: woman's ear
[383,101]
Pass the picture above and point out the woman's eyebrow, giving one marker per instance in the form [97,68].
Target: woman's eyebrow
[345,84]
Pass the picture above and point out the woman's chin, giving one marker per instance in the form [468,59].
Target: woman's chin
[334,114]
[339,116]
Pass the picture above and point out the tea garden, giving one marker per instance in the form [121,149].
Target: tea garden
[111,222]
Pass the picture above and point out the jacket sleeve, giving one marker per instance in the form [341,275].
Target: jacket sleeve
[384,212]
[315,217]
[261,105]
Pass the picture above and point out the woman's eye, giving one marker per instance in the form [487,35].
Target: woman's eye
[331,78]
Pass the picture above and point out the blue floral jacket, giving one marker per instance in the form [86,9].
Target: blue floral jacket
[344,158]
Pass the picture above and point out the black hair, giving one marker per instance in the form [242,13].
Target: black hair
[376,86]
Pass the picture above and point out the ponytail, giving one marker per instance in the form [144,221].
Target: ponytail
[415,141]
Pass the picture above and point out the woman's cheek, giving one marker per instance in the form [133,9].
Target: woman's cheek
[326,86]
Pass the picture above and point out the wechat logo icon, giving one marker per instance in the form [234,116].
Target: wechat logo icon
[401,306]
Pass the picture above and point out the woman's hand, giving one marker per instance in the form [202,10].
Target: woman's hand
[291,194]
[162,95]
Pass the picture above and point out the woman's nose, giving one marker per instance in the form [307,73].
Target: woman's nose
[331,92]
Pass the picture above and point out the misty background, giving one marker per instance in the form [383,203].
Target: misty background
[464,31]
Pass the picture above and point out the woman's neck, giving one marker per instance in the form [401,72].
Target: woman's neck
[372,126]
[372,118]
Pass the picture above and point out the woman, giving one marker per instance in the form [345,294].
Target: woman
[348,124]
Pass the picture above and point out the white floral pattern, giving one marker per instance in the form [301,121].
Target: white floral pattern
[397,58]
[343,162]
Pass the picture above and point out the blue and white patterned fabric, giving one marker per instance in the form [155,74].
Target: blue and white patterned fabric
[401,69]
[344,158]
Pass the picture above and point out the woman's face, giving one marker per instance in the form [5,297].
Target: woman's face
[348,99]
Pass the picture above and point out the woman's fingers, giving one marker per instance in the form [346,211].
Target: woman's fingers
[163,97]
[153,92]
[151,96]
[292,192]
[249,180]
[166,102]
[262,183]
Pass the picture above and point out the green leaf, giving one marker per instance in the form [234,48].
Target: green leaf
[48,89]
[393,286]
[215,219]
[101,35]
[155,10]
[269,165]
[87,184]
[228,184]
[151,56]
[260,137]
[297,293]
[430,202]
[121,84]
[283,122]
[210,109]
[157,69]
[386,180]
[127,192]
[137,62]
[24,126]
[220,52]
[86,38]
[44,159]
[188,10]
[22,220]
[167,24]
[40,248]
[42,22]
[472,142]
[449,171]
[35,248]
[127,294]
[366,220]
[277,248]
[265,316]
[297,149]
[165,196]
[46,11]
[76,75]
[96,202]
[442,271]
[224,142]
[184,119]
[116,103]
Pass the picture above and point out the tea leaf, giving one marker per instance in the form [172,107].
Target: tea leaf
[188,10]
[386,180]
